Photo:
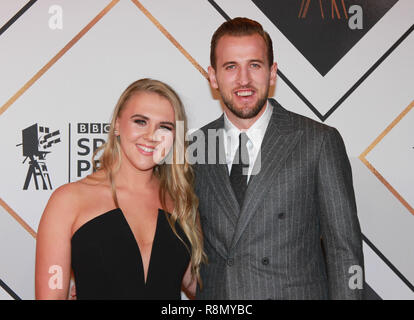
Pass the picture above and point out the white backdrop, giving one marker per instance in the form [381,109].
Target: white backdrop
[67,79]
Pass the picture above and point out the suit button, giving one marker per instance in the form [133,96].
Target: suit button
[265,261]
[230,262]
[281,215]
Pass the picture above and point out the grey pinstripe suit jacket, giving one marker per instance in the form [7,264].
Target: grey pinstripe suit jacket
[270,248]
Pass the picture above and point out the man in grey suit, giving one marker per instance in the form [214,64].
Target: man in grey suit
[273,186]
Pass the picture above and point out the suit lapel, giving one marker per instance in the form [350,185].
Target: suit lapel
[278,143]
[218,176]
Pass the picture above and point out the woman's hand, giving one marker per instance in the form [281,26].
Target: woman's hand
[189,283]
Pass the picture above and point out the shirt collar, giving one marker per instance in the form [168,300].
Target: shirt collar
[256,132]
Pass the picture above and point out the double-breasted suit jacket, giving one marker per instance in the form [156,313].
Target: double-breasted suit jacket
[271,247]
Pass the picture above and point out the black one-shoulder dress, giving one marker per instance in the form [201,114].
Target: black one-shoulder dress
[107,262]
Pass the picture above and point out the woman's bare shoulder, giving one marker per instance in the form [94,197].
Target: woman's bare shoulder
[71,203]
[61,209]
[66,193]
[75,195]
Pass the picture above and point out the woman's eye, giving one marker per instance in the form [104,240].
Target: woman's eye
[167,128]
[140,122]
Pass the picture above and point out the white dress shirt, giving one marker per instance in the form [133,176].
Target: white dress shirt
[255,134]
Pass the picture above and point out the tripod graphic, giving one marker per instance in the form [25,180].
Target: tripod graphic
[37,169]
[36,140]
[304,6]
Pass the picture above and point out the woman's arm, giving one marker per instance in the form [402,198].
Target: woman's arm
[53,249]
[189,283]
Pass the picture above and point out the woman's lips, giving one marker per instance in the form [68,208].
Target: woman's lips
[145,150]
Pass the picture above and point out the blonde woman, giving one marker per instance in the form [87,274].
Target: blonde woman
[130,230]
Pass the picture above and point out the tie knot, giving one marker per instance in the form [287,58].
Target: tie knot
[243,138]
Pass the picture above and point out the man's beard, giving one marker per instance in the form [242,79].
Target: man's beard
[246,113]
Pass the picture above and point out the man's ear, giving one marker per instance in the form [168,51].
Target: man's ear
[212,77]
[273,74]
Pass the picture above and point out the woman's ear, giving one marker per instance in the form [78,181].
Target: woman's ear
[116,129]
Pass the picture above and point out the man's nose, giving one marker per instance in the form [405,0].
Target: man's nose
[243,76]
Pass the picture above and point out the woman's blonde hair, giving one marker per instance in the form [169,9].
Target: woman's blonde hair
[176,179]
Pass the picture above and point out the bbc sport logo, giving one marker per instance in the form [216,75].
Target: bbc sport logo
[37,141]
[87,138]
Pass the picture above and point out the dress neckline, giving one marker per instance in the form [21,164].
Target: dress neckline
[131,235]
[100,216]
[139,252]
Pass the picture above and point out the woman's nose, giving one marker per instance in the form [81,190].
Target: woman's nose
[149,134]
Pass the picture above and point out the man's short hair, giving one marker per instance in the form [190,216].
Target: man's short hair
[239,27]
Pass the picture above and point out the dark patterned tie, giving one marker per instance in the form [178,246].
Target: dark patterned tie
[239,169]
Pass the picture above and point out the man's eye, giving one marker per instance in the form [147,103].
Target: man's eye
[230,67]
[255,65]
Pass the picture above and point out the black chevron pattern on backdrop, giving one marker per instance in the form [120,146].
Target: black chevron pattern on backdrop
[320,29]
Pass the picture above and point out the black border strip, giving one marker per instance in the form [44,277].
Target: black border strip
[388,263]
[9,291]
[17,16]
[324,117]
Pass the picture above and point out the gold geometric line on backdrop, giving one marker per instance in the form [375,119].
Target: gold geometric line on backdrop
[57,57]
[36,77]
[171,38]
[17,218]
[363,155]
[64,50]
